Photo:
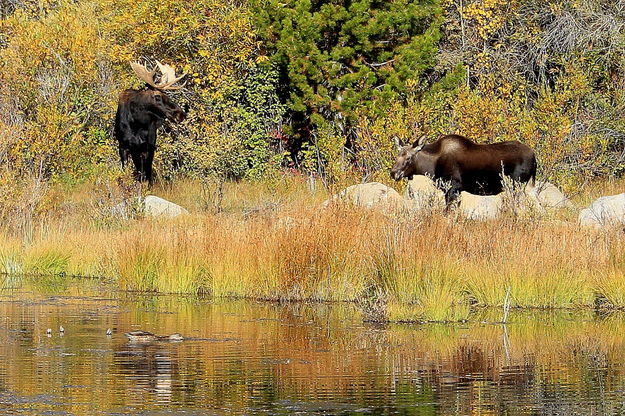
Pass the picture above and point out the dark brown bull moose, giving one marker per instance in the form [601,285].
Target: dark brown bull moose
[140,113]
[465,165]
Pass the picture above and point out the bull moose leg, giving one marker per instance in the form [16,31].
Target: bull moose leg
[124,155]
[137,158]
[148,159]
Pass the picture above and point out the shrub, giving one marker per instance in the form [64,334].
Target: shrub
[55,92]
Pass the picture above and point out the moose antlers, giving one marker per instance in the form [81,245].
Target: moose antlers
[167,80]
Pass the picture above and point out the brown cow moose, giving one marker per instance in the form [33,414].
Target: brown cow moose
[465,165]
[140,113]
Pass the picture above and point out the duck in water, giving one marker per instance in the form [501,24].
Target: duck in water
[145,336]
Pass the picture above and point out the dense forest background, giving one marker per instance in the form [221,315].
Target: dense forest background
[313,86]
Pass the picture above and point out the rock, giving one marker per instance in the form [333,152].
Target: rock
[604,212]
[549,196]
[153,206]
[372,195]
[490,207]
[481,208]
[423,195]
[532,199]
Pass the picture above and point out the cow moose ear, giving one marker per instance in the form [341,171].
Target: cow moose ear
[418,144]
[398,143]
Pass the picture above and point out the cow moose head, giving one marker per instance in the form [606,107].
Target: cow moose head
[405,164]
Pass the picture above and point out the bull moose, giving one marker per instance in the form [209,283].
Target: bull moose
[465,165]
[140,113]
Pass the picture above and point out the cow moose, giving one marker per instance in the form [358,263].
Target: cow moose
[465,165]
[140,113]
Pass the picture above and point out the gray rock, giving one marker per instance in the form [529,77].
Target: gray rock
[481,208]
[153,206]
[604,212]
[372,195]
[423,195]
[549,196]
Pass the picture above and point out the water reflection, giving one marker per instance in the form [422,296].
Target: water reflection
[259,358]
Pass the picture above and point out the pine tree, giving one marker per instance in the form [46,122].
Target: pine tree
[339,57]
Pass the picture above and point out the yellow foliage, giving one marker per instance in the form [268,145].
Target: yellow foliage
[210,40]
[66,62]
[51,68]
[63,64]
[489,15]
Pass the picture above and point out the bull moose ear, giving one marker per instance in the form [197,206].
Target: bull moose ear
[418,144]
[398,142]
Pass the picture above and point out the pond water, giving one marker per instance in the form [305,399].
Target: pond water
[245,357]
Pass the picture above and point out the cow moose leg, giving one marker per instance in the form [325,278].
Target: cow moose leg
[452,194]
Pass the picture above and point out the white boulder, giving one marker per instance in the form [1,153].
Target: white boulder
[153,206]
[368,195]
[549,196]
[480,208]
[604,212]
[423,195]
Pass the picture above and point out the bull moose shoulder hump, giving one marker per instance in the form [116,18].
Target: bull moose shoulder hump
[140,113]
[466,165]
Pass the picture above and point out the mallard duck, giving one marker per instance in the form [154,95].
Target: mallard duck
[145,336]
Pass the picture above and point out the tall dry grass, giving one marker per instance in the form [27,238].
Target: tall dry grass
[272,241]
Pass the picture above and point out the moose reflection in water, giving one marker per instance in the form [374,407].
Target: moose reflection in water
[154,367]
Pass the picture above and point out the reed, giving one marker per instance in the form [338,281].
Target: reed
[11,258]
[46,260]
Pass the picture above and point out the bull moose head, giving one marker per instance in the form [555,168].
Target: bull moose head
[155,98]
[404,165]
